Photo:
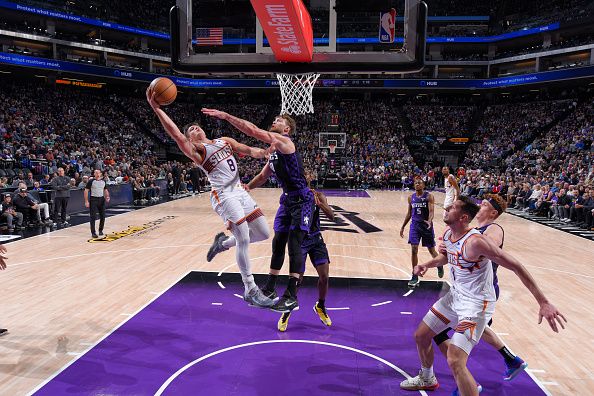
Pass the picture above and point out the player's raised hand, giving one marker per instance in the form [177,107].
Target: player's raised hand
[214,113]
[420,270]
[552,315]
[150,98]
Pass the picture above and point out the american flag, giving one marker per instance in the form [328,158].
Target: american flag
[209,36]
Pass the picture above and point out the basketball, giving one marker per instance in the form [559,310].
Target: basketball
[165,90]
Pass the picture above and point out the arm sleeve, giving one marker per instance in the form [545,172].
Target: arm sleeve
[89,184]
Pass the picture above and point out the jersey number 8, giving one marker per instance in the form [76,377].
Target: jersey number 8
[231,165]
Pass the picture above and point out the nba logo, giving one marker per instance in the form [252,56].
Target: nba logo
[387,29]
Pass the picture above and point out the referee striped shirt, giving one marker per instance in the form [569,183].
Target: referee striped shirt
[96,187]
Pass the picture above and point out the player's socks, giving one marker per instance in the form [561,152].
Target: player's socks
[292,286]
[507,355]
[321,303]
[427,372]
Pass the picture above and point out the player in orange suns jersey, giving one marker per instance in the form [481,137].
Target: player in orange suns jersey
[228,197]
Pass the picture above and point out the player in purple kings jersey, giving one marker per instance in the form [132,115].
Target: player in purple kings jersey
[314,246]
[294,216]
[421,207]
[491,208]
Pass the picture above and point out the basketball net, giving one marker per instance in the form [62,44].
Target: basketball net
[296,92]
[332,148]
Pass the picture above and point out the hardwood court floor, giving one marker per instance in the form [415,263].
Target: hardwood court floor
[61,294]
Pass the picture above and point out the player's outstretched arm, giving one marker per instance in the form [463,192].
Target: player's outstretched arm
[260,178]
[172,130]
[481,246]
[323,204]
[406,218]
[245,149]
[281,143]
[244,126]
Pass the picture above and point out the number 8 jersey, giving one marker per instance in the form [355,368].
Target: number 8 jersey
[219,164]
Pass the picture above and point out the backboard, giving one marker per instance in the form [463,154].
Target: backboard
[345,38]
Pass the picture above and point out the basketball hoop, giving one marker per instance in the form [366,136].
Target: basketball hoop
[332,148]
[296,92]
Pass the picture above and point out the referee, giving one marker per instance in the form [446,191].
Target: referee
[99,196]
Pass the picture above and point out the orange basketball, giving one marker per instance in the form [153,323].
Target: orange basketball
[164,89]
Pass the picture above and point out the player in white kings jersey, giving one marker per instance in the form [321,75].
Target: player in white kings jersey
[470,303]
[228,197]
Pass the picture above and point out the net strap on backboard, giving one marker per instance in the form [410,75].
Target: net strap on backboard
[296,92]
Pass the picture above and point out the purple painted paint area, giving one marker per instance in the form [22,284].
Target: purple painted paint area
[346,193]
[182,326]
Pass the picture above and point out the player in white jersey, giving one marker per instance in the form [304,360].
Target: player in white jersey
[490,209]
[228,197]
[470,303]
[452,190]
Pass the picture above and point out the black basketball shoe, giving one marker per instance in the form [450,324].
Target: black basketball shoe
[285,304]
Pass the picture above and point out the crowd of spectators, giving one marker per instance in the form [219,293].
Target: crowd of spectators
[439,120]
[551,177]
[504,128]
